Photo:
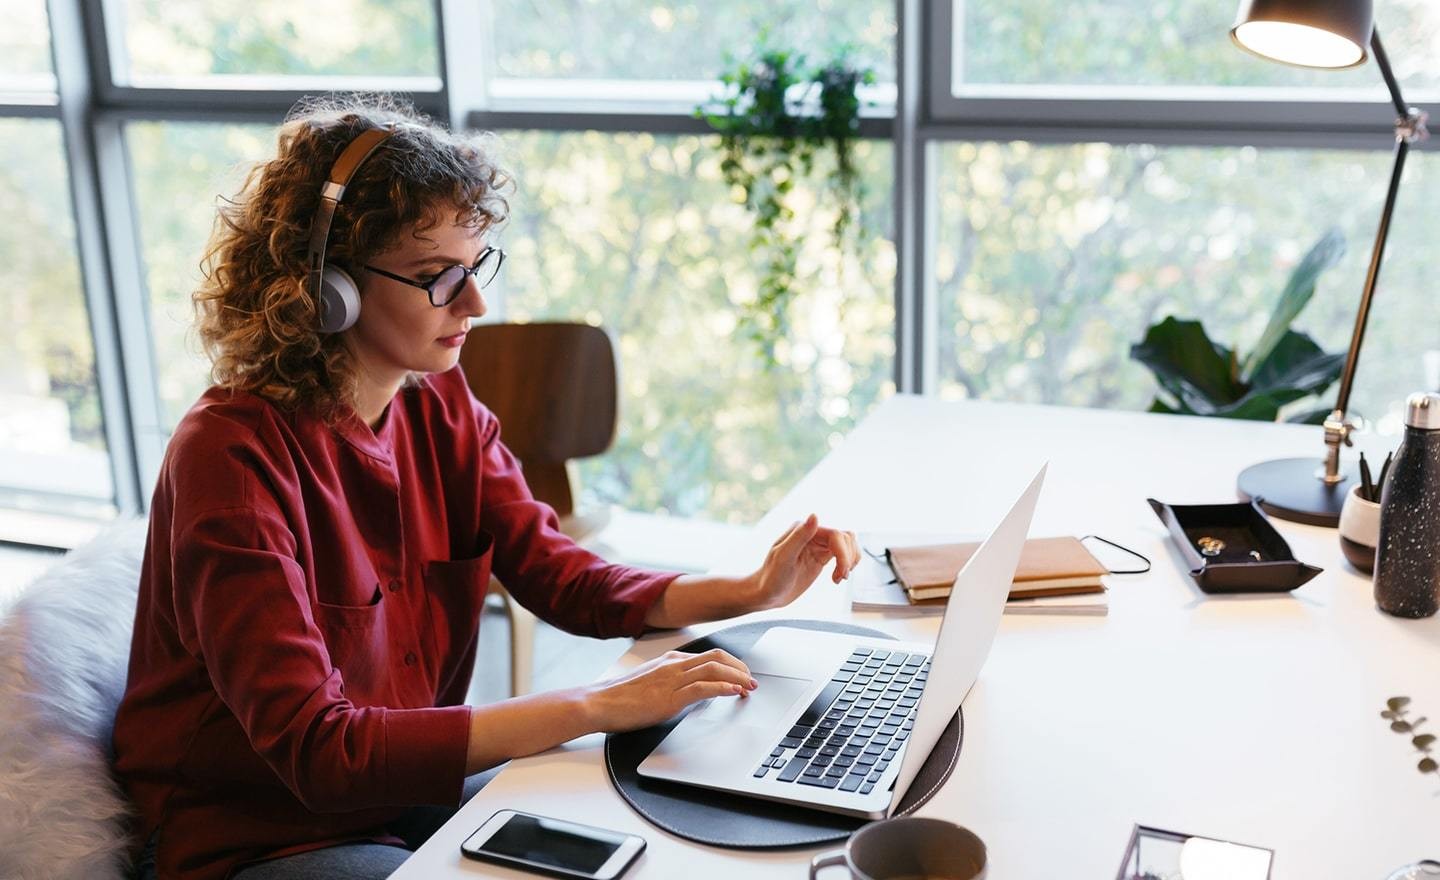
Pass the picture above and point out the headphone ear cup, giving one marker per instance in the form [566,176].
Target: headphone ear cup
[339,300]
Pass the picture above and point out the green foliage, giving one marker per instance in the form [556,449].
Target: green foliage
[1205,378]
[769,140]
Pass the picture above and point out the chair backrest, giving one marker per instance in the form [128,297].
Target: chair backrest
[555,389]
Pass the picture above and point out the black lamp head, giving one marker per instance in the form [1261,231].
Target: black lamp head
[1328,34]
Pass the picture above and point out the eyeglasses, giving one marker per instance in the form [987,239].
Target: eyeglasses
[444,287]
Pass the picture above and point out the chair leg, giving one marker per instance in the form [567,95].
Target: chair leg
[522,641]
[522,650]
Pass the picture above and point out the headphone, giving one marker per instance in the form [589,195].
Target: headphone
[333,290]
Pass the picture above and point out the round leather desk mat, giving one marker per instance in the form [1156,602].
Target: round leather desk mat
[719,819]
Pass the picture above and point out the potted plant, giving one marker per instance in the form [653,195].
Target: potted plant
[1200,377]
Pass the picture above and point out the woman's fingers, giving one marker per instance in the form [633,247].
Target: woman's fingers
[704,690]
[715,655]
[786,535]
[719,672]
[847,552]
[799,537]
[827,544]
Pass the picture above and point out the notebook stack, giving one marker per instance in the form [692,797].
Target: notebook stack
[1055,576]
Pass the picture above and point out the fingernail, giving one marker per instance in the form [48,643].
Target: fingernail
[739,691]
[754,684]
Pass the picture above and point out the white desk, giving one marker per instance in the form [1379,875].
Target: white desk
[1252,718]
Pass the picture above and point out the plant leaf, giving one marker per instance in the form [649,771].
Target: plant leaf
[1297,363]
[1188,365]
[1298,290]
[1400,726]
[1387,714]
[1397,703]
[1427,765]
[1257,405]
[1423,741]
[1314,416]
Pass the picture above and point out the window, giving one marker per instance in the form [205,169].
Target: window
[652,52]
[639,234]
[25,64]
[1174,43]
[269,43]
[52,440]
[1052,260]
[180,170]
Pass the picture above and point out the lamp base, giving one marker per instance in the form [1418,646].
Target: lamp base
[1289,488]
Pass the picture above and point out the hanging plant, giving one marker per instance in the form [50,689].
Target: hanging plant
[776,118]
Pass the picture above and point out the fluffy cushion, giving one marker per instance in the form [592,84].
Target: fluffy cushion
[64,649]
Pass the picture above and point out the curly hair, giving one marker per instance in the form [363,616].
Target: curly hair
[255,316]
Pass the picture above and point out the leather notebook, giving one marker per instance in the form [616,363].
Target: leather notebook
[1048,567]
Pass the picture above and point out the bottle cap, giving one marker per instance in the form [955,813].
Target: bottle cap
[1422,410]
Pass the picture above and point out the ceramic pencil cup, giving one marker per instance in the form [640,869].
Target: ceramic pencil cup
[1359,530]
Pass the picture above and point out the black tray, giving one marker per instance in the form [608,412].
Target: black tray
[1244,528]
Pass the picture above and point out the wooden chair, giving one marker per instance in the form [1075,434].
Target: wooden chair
[554,388]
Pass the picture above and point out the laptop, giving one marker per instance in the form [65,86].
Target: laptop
[843,723]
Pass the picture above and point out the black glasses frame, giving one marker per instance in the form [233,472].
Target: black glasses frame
[456,283]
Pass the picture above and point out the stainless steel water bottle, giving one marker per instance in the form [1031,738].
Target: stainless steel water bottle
[1407,557]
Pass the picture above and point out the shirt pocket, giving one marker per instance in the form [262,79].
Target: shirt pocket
[355,637]
[455,592]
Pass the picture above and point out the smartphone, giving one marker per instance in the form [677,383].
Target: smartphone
[552,846]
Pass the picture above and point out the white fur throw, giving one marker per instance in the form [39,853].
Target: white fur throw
[64,650]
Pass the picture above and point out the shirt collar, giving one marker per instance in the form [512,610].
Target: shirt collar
[378,442]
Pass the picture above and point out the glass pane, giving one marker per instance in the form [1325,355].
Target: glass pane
[1162,43]
[669,40]
[179,171]
[170,43]
[638,233]
[52,439]
[1051,261]
[25,63]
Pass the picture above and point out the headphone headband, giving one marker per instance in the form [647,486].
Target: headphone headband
[341,173]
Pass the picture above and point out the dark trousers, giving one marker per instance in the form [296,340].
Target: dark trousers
[357,861]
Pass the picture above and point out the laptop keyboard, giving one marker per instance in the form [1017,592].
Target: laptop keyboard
[855,726]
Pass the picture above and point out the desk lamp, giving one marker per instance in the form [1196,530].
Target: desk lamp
[1329,34]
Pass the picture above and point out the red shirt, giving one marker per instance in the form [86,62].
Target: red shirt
[308,612]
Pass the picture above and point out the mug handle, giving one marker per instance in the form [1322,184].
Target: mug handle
[826,860]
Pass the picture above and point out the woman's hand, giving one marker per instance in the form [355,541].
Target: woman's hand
[795,561]
[658,689]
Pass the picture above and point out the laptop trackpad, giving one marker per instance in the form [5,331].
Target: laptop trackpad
[776,696]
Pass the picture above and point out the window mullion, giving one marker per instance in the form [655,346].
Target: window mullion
[75,83]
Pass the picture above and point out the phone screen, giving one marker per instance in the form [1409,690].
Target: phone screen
[553,842]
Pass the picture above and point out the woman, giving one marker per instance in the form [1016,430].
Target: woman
[326,521]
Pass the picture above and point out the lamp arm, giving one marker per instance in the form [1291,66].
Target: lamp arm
[1383,61]
[1337,427]
[1409,127]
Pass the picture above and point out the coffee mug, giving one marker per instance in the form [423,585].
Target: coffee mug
[908,849]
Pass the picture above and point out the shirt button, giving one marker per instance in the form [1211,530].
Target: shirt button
[394,585]
[410,658]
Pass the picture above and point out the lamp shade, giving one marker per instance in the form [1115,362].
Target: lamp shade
[1307,33]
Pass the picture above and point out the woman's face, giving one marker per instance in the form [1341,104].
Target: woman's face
[398,330]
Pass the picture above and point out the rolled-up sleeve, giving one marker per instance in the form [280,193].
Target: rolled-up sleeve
[242,608]
[547,572]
